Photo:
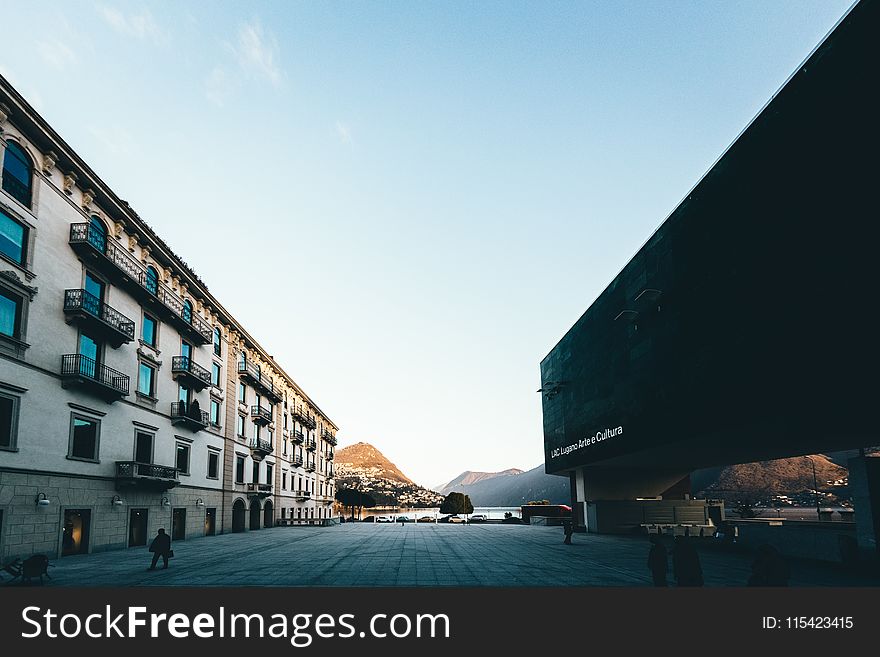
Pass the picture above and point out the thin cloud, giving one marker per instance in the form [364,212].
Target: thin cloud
[343,132]
[57,54]
[258,53]
[218,86]
[139,25]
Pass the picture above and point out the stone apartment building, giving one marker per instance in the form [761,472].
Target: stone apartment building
[130,398]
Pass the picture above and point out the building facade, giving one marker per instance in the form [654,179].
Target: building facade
[130,399]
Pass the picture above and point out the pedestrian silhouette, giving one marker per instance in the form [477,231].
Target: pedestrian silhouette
[568,528]
[658,560]
[160,547]
[195,411]
[769,568]
[686,563]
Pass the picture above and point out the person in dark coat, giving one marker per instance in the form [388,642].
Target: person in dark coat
[160,547]
[568,528]
[658,560]
[195,411]
[686,563]
[769,568]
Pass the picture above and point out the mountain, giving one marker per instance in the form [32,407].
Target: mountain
[516,488]
[764,479]
[469,477]
[363,467]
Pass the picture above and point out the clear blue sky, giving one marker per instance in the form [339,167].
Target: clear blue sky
[445,186]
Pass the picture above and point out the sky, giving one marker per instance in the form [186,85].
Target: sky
[408,203]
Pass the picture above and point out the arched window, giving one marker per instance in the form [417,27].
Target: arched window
[17,174]
[217,338]
[187,310]
[98,234]
[152,280]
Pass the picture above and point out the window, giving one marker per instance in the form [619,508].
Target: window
[143,447]
[256,472]
[146,380]
[98,234]
[218,336]
[182,460]
[213,465]
[148,330]
[186,350]
[284,446]
[269,470]
[84,434]
[215,413]
[270,436]
[240,426]
[13,238]
[285,420]
[151,282]
[239,469]
[283,481]
[17,173]
[242,359]
[256,432]
[10,314]
[242,392]
[215,374]
[187,311]
[8,421]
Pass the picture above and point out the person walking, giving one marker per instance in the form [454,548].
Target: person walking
[160,547]
[658,560]
[686,563]
[568,528]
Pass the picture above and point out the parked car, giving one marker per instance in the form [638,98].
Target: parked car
[479,517]
[384,519]
[427,519]
[368,519]
[403,519]
[452,518]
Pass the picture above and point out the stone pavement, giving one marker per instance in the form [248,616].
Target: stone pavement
[367,554]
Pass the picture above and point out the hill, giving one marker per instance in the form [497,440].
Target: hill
[363,467]
[517,489]
[469,477]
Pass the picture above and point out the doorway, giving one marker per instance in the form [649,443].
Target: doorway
[268,516]
[137,527]
[178,524]
[238,515]
[210,522]
[75,534]
[255,514]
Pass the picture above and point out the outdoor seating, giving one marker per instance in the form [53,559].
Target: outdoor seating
[12,569]
[35,566]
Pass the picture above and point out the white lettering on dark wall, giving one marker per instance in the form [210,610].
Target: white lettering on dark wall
[600,436]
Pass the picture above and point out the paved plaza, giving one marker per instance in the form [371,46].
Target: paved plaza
[366,554]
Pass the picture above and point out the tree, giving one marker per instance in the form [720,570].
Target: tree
[456,503]
[354,499]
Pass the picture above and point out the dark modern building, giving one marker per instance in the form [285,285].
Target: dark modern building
[746,326]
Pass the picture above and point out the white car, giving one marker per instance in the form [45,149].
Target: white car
[384,519]
[479,517]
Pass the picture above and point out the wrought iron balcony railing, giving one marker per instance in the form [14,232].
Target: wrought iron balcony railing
[297,461]
[184,367]
[109,383]
[310,467]
[261,415]
[117,263]
[302,494]
[86,307]
[260,446]
[302,415]
[298,437]
[189,415]
[262,490]
[311,444]
[146,475]
[252,372]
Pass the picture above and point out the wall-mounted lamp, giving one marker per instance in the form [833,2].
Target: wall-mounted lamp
[42,500]
[165,502]
[200,502]
[116,501]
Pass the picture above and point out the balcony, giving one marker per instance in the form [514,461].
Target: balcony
[297,461]
[107,256]
[302,494]
[331,473]
[189,373]
[192,417]
[260,415]
[310,467]
[331,455]
[90,312]
[251,373]
[105,382]
[260,448]
[298,437]
[302,415]
[311,445]
[259,490]
[329,437]
[146,476]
